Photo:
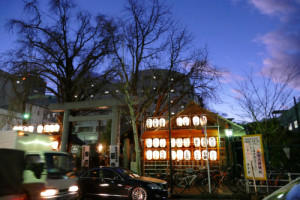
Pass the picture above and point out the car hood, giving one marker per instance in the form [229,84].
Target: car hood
[150,180]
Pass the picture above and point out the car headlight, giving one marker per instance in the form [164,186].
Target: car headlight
[73,188]
[49,192]
[154,186]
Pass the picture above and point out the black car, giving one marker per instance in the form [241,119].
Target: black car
[120,183]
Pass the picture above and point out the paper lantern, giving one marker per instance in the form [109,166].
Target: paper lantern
[203,120]
[174,155]
[149,123]
[204,155]
[155,142]
[197,142]
[55,145]
[212,142]
[203,142]
[162,154]
[187,155]
[56,127]
[40,128]
[186,142]
[162,142]
[47,128]
[179,154]
[173,142]
[155,123]
[185,121]
[179,142]
[196,121]
[149,155]
[179,121]
[197,154]
[213,155]
[51,127]
[149,142]
[162,122]
[30,128]
[155,155]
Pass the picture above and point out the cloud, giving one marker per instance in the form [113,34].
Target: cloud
[229,77]
[283,44]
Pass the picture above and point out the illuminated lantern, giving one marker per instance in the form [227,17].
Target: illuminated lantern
[173,142]
[196,121]
[25,128]
[203,120]
[56,128]
[197,142]
[162,154]
[55,145]
[47,128]
[162,122]
[30,128]
[186,121]
[155,155]
[197,154]
[179,121]
[149,155]
[213,155]
[186,142]
[39,128]
[155,123]
[155,142]
[51,127]
[212,141]
[179,154]
[187,155]
[204,155]
[179,142]
[149,142]
[162,142]
[149,123]
[174,155]
[203,142]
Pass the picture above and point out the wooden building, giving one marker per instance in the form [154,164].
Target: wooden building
[190,146]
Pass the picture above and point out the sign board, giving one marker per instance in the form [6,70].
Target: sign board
[114,155]
[253,153]
[85,156]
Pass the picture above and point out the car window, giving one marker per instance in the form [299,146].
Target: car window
[94,173]
[109,174]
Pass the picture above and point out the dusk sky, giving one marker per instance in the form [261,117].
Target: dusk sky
[239,34]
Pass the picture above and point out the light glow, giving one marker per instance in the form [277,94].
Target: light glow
[179,121]
[187,155]
[179,142]
[155,142]
[173,142]
[55,145]
[213,155]
[196,121]
[162,154]
[212,141]
[204,155]
[186,142]
[149,142]
[155,123]
[174,155]
[186,121]
[49,192]
[197,154]
[40,128]
[203,142]
[149,155]
[203,121]
[73,188]
[155,155]
[162,142]
[179,154]
[149,123]
[162,122]
[197,142]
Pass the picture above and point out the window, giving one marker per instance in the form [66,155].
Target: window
[85,129]
[92,173]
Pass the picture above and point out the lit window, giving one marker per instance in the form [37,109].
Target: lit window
[149,142]
[162,142]
[149,155]
[162,154]
[179,154]
[186,142]
[187,155]
[213,155]
[197,154]
[212,141]
[155,142]
[179,142]
[203,142]
[197,142]
[155,155]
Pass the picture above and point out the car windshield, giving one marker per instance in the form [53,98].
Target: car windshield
[127,173]
[288,192]
[58,165]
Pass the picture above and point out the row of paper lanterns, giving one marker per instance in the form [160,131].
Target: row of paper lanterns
[180,155]
[181,142]
[48,128]
[180,121]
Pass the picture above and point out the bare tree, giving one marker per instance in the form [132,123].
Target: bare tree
[64,48]
[148,41]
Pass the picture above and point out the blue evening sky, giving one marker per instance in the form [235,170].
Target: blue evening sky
[239,34]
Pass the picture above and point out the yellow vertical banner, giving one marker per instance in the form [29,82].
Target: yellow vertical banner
[253,154]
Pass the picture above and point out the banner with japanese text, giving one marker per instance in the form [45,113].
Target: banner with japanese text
[253,153]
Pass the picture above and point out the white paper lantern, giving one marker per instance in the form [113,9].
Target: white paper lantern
[203,120]
[51,128]
[155,123]
[186,142]
[30,128]
[197,154]
[179,142]
[47,128]
[162,142]
[179,154]
[149,123]
[162,122]
[204,155]
[203,142]
[179,121]
[174,155]
[173,142]
[40,128]
[56,127]
[187,155]
[155,142]
[196,121]
[185,121]
[155,155]
[162,154]
[149,142]
[149,155]
[197,142]
[212,141]
[213,155]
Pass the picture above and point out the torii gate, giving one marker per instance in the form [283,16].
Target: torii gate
[90,105]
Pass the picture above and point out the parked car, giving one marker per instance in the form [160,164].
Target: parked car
[290,191]
[120,183]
